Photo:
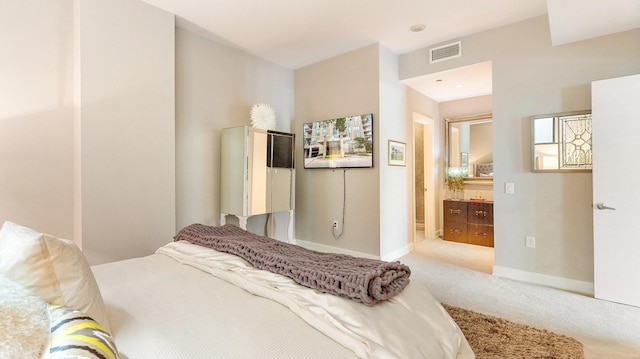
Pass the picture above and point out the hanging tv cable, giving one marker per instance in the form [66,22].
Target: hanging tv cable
[335,235]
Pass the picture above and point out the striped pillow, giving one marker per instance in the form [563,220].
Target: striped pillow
[76,335]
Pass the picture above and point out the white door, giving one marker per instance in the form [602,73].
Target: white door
[616,147]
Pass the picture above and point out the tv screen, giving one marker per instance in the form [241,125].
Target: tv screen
[279,149]
[339,143]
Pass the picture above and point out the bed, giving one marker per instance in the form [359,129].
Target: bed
[483,170]
[191,301]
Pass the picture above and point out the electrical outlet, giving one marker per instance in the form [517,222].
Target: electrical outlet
[335,225]
[510,188]
[530,241]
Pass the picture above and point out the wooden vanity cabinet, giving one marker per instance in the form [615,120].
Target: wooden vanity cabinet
[455,221]
[480,223]
[468,222]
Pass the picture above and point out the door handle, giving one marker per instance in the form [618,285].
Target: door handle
[602,206]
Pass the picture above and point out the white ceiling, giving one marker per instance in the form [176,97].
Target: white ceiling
[463,82]
[576,20]
[297,33]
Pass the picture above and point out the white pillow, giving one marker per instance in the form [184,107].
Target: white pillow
[53,268]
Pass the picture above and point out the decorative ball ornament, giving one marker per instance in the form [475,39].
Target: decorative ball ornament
[263,116]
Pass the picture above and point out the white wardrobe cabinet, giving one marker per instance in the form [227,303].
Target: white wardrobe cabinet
[257,173]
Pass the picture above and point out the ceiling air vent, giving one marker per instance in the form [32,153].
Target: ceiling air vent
[445,52]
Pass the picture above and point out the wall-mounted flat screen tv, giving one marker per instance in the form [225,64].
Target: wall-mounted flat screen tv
[339,143]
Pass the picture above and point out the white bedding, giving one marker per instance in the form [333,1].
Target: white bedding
[160,308]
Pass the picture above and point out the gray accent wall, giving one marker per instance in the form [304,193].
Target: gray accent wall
[378,205]
[346,85]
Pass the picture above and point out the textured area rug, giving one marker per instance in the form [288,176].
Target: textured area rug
[497,338]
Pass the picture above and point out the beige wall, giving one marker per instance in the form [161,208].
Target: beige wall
[126,91]
[466,107]
[36,115]
[378,200]
[128,145]
[216,86]
[341,86]
[481,143]
[532,77]
[422,105]
[396,182]
[87,126]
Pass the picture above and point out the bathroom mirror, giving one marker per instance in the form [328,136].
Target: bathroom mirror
[469,146]
[561,142]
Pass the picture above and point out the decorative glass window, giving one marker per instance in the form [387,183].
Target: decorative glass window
[561,142]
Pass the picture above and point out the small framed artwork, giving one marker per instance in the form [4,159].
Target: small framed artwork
[397,153]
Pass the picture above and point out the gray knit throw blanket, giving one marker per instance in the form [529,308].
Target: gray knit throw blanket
[363,280]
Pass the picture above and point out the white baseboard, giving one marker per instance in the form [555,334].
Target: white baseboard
[571,285]
[325,248]
[390,257]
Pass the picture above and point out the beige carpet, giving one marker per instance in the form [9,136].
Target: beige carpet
[496,338]
[606,330]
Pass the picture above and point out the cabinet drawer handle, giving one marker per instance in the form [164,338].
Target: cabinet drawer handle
[455,230]
[481,234]
[481,213]
[455,211]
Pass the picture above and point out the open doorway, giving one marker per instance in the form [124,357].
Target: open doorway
[427,239]
[457,93]
[424,181]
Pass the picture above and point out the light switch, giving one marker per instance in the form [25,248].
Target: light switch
[530,241]
[510,188]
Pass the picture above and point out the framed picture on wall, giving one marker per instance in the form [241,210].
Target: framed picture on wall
[397,153]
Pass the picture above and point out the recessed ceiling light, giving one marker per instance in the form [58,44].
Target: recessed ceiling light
[459,85]
[417,27]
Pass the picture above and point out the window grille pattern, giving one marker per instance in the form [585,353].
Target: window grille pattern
[575,132]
